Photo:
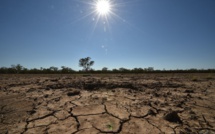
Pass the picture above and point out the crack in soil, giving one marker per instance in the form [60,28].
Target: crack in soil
[106,111]
[77,121]
[154,125]
[129,96]
[45,116]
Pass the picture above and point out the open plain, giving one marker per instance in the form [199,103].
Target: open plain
[107,103]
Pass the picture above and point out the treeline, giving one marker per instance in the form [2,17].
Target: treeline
[19,69]
[152,70]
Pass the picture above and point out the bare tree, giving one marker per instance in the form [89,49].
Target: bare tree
[86,63]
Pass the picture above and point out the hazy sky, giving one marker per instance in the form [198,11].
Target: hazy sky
[166,34]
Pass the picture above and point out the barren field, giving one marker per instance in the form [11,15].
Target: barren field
[96,104]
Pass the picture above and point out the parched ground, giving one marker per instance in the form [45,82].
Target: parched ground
[113,104]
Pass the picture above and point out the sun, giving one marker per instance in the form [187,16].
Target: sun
[103,7]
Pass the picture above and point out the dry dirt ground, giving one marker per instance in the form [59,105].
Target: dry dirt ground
[113,104]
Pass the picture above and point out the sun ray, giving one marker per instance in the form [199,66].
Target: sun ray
[83,17]
[94,27]
[103,7]
[125,21]
[106,11]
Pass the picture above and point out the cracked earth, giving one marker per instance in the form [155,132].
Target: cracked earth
[113,104]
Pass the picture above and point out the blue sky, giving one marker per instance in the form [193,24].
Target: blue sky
[170,34]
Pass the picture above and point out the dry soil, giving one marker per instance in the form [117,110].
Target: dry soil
[113,104]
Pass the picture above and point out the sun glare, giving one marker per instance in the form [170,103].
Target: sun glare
[103,7]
